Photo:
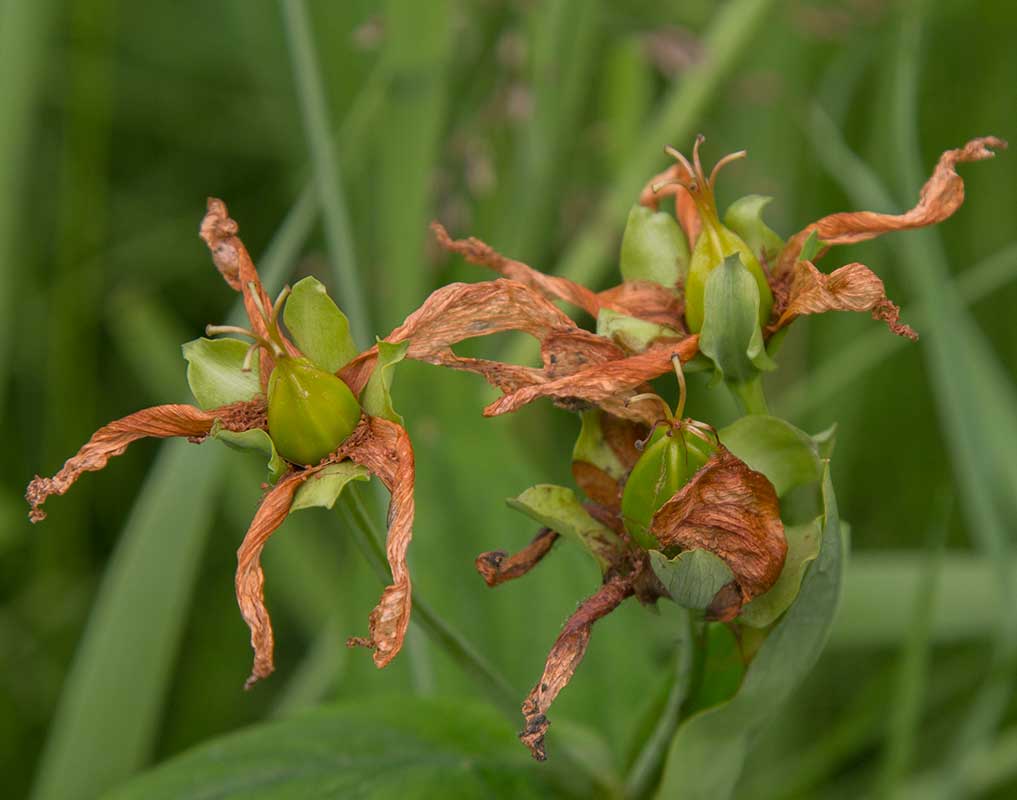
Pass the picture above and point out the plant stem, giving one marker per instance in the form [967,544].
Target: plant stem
[750,396]
[371,542]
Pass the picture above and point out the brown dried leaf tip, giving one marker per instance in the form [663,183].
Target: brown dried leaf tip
[383,447]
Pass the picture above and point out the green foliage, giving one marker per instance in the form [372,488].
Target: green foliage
[692,578]
[653,248]
[745,217]
[377,395]
[446,748]
[319,328]
[215,374]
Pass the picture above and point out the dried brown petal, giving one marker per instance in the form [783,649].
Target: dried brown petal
[645,300]
[566,654]
[732,511]
[606,384]
[940,197]
[385,449]
[235,265]
[497,567]
[112,440]
[250,580]
[853,287]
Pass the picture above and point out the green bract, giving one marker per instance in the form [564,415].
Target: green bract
[310,411]
[653,248]
[745,217]
[669,460]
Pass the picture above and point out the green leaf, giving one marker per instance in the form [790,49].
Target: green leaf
[255,439]
[745,217]
[723,669]
[318,327]
[376,397]
[811,248]
[631,333]
[720,737]
[692,578]
[396,747]
[558,508]
[802,549]
[653,248]
[215,374]
[787,456]
[324,488]
[731,336]
[592,448]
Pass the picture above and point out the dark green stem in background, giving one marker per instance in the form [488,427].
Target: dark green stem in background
[750,396]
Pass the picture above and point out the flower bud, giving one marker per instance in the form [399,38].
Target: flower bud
[310,411]
[653,248]
[668,461]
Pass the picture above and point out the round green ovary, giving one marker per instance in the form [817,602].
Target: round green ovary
[310,411]
[662,470]
[712,247]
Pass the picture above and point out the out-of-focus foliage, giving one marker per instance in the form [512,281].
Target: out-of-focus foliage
[120,642]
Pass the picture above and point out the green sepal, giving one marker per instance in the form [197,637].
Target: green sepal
[653,248]
[318,327]
[722,668]
[787,456]
[592,448]
[215,373]
[323,489]
[813,244]
[376,399]
[692,578]
[745,217]
[802,549]
[731,336]
[558,508]
[632,333]
[254,439]
[825,441]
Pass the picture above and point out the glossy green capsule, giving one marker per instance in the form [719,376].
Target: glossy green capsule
[715,243]
[671,457]
[310,412]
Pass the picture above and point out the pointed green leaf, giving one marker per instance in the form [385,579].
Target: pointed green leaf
[632,333]
[813,244]
[802,549]
[745,217]
[692,578]
[787,456]
[825,441]
[731,336]
[558,508]
[254,439]
[324,488]
[376,398]
[318,327]
[653,248]
[395,747]
[215,374]
[721,736]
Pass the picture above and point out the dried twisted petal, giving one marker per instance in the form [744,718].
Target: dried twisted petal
[384,448]
[732,511]
[565,656]
[940,197]
[497,566]
[853,287]
[158,422]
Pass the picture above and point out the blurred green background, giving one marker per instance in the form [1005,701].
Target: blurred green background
[336,131]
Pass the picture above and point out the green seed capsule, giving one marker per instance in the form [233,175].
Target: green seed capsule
[668,461]
[310,411]
[653,248]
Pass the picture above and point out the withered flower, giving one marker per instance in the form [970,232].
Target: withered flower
[379,445]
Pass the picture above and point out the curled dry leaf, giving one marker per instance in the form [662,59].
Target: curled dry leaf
[497,566]
[853,287]
[643,299]
[565,656]
[940,197]
[384,448]
[158,422]
[732,511]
